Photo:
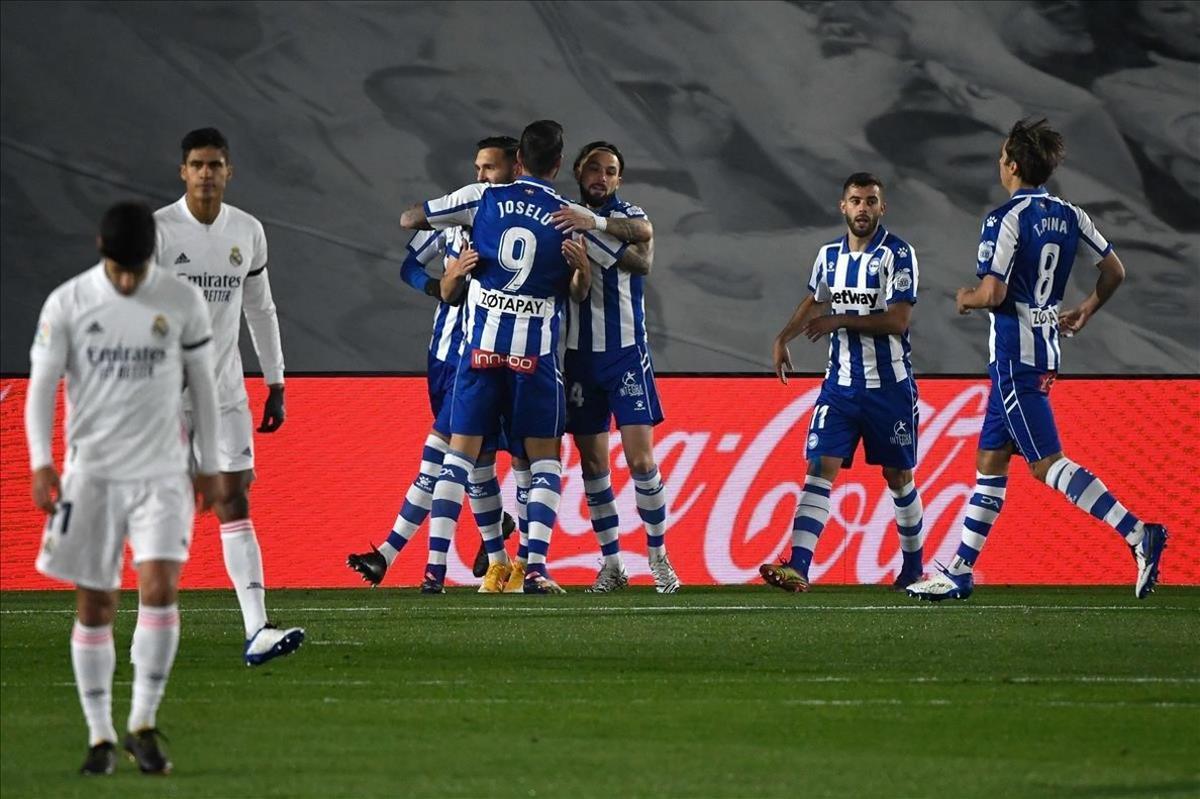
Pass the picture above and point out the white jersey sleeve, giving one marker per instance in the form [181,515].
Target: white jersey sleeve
[197,347]
[48,359]
[1097,246]
[456,208]
[259,309]
[816,281]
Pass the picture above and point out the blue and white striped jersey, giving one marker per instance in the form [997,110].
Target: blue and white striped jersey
[423,248]
[515,301]
[614,314]
[1030,243]
[866,283]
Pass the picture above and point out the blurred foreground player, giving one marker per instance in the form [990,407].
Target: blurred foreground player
[1026,250]
[222,250]
[126,334]
[869,278]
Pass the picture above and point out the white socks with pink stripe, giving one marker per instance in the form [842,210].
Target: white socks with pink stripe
[94,658]
[243,562]
[155,641]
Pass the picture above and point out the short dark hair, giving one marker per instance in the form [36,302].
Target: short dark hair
[204,137]
[506,143]
[607,147]
[127,234]
[862,179]
[1036,148]
[541,146]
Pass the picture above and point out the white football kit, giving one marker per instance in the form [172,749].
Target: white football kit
[126,464]
[227,261]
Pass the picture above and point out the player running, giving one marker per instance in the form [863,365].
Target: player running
[608,369]
[509,366]
[869,278]
[222,250]
[1026,250]
[125,334]
[495,162]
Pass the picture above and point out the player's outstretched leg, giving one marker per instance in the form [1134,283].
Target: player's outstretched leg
[909,522]
[447,506]
[544,497]
[94,659]
[243,562]
[1088,492]
[651,495]
[812,512]
[373,565]
[484,494]
[523,477]
[957,581]
[602,510]
[155,642]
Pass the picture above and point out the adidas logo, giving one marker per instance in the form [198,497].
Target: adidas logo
[247,452]
[94,327]
[182,259]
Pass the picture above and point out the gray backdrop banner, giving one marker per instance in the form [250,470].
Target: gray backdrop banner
[739,122]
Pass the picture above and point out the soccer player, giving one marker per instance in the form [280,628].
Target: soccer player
[524,271]
[868,277]
[1026,250]
[222,250]
[609,373]
[495,162]
[125,334]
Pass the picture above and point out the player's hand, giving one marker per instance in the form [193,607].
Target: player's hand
[464,264]
[46,489]
[782,359]
[960,299]
[273,411]
[209,490]
[575,251]
[819,327]
[1072,321]
[573,219]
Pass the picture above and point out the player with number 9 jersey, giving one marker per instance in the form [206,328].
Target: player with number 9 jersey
[515,302]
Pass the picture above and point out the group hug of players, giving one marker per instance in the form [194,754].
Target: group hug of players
[539,331]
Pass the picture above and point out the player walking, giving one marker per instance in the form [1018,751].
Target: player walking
[125,334]
[223,251]
[869,279]
[1026,250]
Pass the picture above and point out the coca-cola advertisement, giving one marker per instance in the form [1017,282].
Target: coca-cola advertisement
[731,451]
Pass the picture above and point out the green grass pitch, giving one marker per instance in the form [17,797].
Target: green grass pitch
[735,692]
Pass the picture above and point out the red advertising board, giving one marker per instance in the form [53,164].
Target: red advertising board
[732,453]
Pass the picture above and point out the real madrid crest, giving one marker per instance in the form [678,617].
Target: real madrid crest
[235,256]
[160,326]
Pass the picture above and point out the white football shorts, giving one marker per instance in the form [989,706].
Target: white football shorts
[84,541]
[235,438]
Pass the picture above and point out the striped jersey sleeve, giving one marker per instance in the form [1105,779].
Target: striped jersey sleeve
[998,241]
[1096,245]
[456,208]
[817,283]
[904,276]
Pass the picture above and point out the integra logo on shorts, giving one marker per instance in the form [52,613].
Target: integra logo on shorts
[216,288]
[126,363]
[855,297]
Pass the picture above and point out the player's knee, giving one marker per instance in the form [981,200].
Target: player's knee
[640,463]
[897,478]
[96,608]
[1041,468]
[235,506]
